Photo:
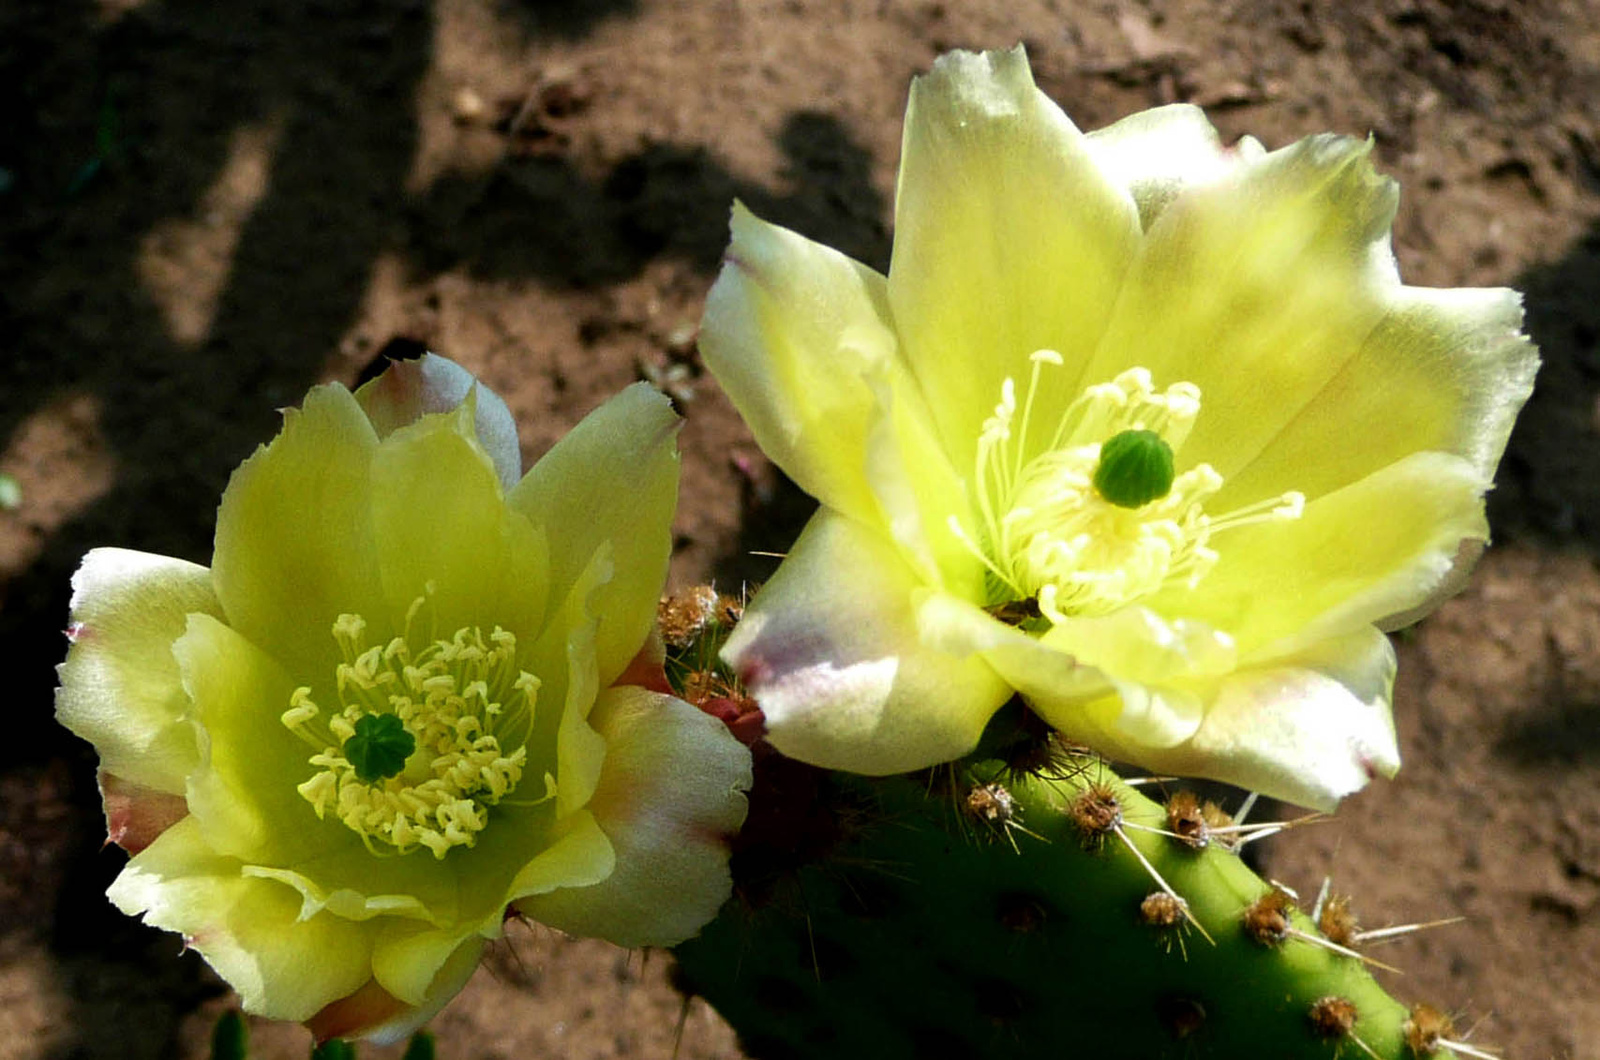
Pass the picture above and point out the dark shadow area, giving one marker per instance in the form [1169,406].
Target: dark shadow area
[563,19]
[1555,733]
[541,218]
[1548,487]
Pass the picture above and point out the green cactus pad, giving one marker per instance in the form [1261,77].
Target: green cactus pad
[983,912]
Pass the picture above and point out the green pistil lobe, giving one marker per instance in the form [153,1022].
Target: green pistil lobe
[379,748]
[1135,468]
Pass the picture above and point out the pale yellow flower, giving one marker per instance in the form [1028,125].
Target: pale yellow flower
[407,700]
[1140,427]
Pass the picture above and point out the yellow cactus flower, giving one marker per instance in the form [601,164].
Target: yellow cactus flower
[1143,428]
[413,695]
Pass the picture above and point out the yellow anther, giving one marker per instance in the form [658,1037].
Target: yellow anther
[349,629]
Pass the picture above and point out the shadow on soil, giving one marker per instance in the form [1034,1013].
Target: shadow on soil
[109,129]
[562,19]
[1549,483]
[1553,733]
[540,218]
[1548,488]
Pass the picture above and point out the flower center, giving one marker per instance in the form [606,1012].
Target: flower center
[1093,516]
[425,740]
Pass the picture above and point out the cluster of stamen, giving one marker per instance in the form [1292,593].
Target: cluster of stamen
[1051,533]
[464,712]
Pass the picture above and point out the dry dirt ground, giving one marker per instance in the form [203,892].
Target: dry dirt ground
[207,206]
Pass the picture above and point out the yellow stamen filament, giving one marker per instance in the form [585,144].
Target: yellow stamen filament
[462,699]
[1046,534]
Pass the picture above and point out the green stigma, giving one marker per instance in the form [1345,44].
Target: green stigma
[379,748]
[1135,468]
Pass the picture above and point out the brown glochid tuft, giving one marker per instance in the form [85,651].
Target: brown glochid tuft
[1161,910]
[683,617]
[1266,920]
[1332,1018]
[1338,921]
[991,804]
[1215,816]
[1095,813]
[1424,1029]
[1186,819]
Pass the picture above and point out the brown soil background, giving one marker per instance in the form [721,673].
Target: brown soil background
[209,206]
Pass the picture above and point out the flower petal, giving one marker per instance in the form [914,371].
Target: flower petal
[136,815]
[248,929]
[442,528]
[830,649]
[1138,720]
[671,799]
[348,882]
[565,655]
[613,478]
[294,533]
[1009,238]
[952,626]
[409,960]
[243,794]
[1309,729]
[918,492]
[1137,644]
[791,328]
[1259,288]
[120,686]
[1090,703]
[1450,584]
[369,1007]
[580,856]
[1157,153]
[465,891]
[1099,708]
[377,1016]
[472,885]
[408,390]
[1443,369]
[1355,557]
[1135,722]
